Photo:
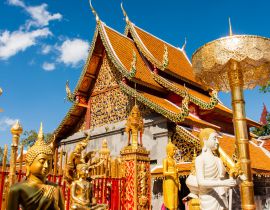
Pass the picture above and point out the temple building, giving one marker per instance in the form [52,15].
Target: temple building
[137,67]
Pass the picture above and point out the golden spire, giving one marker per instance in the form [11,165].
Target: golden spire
[230,27]
[93,10]
[124,13]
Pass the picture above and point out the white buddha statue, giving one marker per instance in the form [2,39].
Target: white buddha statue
[209,174]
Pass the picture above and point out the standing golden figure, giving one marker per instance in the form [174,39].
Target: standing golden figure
[171,183]
[234,63]
[36,193]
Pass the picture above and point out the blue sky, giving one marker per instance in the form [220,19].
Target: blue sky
[44,43]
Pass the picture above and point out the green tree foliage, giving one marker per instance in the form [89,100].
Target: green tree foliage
[266,88]
[1,154]
[29,138]
[264,130]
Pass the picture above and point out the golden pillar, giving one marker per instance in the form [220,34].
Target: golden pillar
[234,63]
[16,131]
[135,166]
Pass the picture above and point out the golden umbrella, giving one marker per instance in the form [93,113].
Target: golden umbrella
[234,63]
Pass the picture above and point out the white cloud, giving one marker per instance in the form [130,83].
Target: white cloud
[41,17]
[48,66]
[16,3]
[39,14]
[12,43]
[46,49]
[6,122]
[72,52]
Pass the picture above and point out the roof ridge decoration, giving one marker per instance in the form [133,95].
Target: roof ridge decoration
[133,64]
[94,11]
[183,48]
[69,95]
[90,53]
[165,61]
[199,102]
[189,137]
[166,113]
[124,13]
[116,61]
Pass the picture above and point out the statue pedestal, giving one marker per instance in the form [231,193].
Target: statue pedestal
[194,204]
[135,165]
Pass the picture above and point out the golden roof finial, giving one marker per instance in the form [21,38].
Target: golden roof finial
[184,45]
[16,129]
[93,10]
[230,27]
[124,13]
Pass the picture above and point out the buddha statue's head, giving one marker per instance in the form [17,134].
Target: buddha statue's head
[82,170]
[171,148]
[208,138]
[39,158]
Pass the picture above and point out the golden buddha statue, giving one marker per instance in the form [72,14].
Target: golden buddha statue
[171,183]
[36,193]
[105,158]
[81,190]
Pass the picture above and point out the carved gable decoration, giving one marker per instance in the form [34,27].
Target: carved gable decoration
[108,103]
[106,78]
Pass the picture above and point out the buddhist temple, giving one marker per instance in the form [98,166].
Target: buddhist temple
[137,67]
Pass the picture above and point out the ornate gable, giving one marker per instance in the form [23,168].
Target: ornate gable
[108,103]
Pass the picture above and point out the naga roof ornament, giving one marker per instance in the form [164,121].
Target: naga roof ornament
[183,48]
[93,10]
[165,61]
[124,13]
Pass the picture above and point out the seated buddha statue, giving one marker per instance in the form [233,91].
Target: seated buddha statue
[36,193]
[81,189]
[210,174]
[171,181]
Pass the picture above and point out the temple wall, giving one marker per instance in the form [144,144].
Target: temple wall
[154,138]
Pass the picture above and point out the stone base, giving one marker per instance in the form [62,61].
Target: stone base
[99,207]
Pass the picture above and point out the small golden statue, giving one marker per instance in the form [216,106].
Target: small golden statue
[78,172]
[81,189]
[171,183]
[76,158]
[134,125]
[36,193]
